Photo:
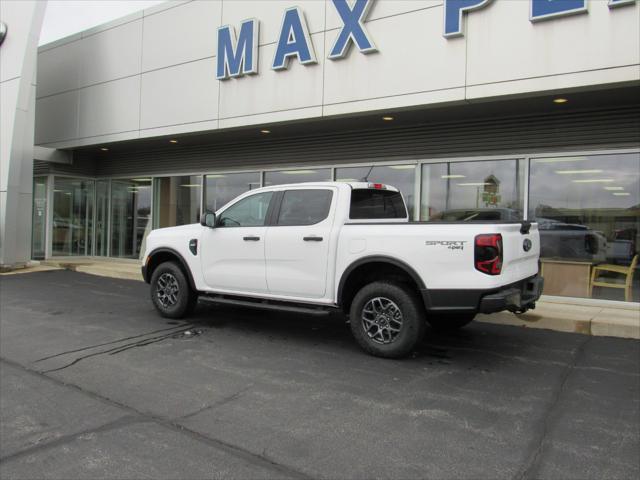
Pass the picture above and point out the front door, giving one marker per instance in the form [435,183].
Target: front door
[232,253]
[297,247]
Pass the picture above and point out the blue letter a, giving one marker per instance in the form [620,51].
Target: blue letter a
[237,57]
[294,41]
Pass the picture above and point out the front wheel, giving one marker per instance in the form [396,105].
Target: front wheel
[449,322]
[387,319]
[171,293]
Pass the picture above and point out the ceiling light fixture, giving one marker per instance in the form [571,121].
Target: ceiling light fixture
[388,118]
[402,167]
[173,140]
[614,188]
[475,184]
[104,149]
[190,185]
[560,100]
[621,194]
[265,131]
[453,176]
[594,180]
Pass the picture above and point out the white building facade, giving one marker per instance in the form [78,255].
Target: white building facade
[476,109]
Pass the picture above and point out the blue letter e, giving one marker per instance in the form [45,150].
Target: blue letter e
[453,10]
[237,57]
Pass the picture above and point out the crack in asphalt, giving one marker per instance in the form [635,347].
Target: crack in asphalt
[107,343]
[122,348]
[219,403]
[533,462]
[261,460]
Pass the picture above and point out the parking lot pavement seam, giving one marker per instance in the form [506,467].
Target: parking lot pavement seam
[219,403]
[108,343]
[255,459]
[120,349]
[531,465]
[119,422]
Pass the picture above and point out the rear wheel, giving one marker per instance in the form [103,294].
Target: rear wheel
[171,293]
[449,322]
[387,319]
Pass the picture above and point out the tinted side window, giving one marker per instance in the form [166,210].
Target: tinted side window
[304,207]
[248,212]
[371,204]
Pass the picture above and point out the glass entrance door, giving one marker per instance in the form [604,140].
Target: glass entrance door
[72,232]
[130,216]
[39,218]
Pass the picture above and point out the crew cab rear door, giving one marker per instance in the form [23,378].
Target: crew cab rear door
[298,242]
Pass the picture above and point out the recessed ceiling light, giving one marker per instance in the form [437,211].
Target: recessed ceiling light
[473,184]
[571,172]
[387,118]
[594,180]
[614,188]
[265,131]
[173,140]
[452,176]
[104,149]
[560,100]
[622,194]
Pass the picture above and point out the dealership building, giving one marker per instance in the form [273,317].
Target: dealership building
[476,109]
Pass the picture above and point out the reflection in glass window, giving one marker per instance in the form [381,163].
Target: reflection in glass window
[400,176]
[464,191]
[221,188]
[248,212]
[177,201]
[297,176]
[588,210]
[72,216]
[130,216]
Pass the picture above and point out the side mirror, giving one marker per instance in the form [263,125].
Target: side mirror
[208,219]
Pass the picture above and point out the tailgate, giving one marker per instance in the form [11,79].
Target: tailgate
[521,251]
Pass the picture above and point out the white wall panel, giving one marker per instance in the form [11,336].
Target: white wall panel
[111,54]
[57,117]
[298,87]
[110,107]
[182,94]
[180,34]
[433,64]
[503,44]
[59,69]
[270,14]
[383,8]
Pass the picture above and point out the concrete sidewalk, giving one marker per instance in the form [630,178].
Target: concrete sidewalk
[586,316]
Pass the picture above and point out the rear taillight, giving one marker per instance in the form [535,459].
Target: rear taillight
[488,253]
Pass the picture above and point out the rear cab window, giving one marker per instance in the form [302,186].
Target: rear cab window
[376,204]
[304,207]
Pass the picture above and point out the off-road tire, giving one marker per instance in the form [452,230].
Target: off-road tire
[449,322]
[169,277]
[396,296]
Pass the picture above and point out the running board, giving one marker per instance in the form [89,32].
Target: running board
[266,305]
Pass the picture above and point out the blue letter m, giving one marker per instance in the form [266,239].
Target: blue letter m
[237,57]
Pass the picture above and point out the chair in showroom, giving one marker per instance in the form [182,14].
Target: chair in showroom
[616,282]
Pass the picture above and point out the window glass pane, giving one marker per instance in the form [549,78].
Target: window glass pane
[177,200]
[400,176]
[304,207]
[372,204]
[588,210]
[487,190]
[297,176]
[72,216]
[102,217]
[221,188]
[39,218]
[130,216]
[248,212]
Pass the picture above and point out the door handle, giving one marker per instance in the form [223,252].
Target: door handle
[251,239]
[312,239]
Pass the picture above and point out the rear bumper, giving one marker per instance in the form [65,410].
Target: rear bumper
[516,297]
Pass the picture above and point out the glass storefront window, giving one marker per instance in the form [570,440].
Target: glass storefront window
[400,176]
[588,211]
[72,216]
[484,190]
[177,200]
[39,218]
[130,216]
[297,176]
[221,188]
[102,218]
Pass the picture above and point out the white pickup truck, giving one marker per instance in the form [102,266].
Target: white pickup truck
[317,247]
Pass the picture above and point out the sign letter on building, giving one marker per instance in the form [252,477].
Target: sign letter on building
[543,9]
[237,57]
[294,40]
[453,10]
[353,30]
[620,3]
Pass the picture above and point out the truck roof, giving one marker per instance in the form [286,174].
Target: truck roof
[354,185]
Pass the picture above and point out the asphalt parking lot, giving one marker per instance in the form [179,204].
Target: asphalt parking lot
[94,384]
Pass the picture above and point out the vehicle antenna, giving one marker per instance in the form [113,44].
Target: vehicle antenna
[366,177]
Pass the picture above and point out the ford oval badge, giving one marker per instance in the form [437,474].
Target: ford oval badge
[526,245]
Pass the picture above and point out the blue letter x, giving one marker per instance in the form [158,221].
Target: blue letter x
[353,28]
